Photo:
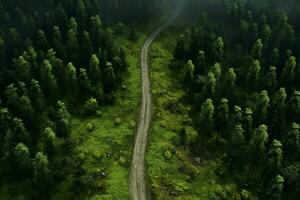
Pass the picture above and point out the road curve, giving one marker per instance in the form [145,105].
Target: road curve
[137,176]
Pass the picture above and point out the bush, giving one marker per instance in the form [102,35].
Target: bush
[91,106]
[168,155]
[118,121]
[132,124]
[90,127]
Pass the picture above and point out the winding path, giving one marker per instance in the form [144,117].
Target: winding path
[137,177]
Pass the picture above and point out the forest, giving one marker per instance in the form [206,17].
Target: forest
[162,99]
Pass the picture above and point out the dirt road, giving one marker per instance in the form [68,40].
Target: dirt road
[137,177]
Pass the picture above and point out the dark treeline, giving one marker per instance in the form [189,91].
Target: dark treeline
[240,69]
[55,57]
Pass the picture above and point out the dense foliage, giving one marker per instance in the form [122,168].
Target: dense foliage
[240,70]
[56,59]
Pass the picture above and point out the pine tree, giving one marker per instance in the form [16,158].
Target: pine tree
[48,141]
[262,106]
[48,80]
[94,70]
[22,158]
[109,79]
[229,86]
[87,46]
[209,89]
[218,49]
[257,50]
[206,121]
[180,49]
[57,41]
[85,86]
[275,189]
[63,122]
[189,69]
[41,171]
[248,122]
[254,75]
[37,96]
[73,46]
[236,148]
[275,157]
[292,142]
[222,118]
[42,43]
[271,79]
[294,107]
[23,69]
[200,65]
[288,74]
[71,83]
[257,144]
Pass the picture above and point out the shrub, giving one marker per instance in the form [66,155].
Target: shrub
[90,127]
[168,155]
[118,121]
[91,106]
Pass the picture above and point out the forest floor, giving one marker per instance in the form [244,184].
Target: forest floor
[173,172]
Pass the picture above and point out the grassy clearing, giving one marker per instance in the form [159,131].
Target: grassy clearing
[172,172]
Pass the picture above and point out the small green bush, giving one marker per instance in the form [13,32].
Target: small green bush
[90,127]
[91,106]
[168,155]
[118,121]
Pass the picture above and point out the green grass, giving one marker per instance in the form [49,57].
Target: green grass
[172,172]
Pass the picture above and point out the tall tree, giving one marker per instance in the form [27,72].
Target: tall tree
[262,106]
[63,121]
[222,118]
[248,122]
[85,87]
[229,86]
[294,107]
[109,79]
[271,79]
[22,159]
[48,141]
[275,189]
[94,70]
[37,96]
[257,144]
[257,50]
[71,83]
[254,75]
[73,46]
[206,120]
[23,69]
[48,80]
[58,41]
[189,69]
[292,142]
[218,49]
[288,74]
[88,48]
[236,148]
[41,171]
